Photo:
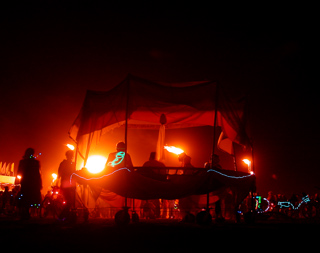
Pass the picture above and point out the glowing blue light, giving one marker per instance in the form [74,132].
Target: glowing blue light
[287,204]
[88,179]
[225,175]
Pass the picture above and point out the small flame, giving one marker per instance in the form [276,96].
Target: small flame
[70,146]
[246,161]
[174,150]
[54,176]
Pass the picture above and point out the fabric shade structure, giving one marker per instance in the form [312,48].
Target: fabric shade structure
[139,103]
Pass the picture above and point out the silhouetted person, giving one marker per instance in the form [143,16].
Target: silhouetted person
[215,163]
[153,163]
[67,186]
[5,197]
[218,211]
[152,207]
[185,163]
[185,160]
[187,204]
[119,159]
[31,183]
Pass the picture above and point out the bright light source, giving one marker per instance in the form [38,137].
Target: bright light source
[19,177]
[246,161]
[70,146]
[174,150]
[96,163]
[54,176]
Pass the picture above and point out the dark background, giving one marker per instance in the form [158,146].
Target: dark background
[52,53]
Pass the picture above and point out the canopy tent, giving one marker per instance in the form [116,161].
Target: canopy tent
[139,103]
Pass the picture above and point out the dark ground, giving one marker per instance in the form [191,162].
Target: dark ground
[155,236]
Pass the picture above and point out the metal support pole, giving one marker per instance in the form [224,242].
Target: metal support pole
[234,157]
[126,137]
[214,133]
[215,120]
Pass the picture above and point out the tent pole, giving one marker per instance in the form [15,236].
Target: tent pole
[234,157]
[215,120]
[75,164]
[214,134]
[252,158]
[126,138]
[126,125]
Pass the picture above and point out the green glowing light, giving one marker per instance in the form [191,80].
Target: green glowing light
[118,159]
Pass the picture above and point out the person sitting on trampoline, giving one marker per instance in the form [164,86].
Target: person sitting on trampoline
[119,159]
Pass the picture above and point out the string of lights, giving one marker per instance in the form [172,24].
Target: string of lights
[287,204]
[225,175]
[94,178]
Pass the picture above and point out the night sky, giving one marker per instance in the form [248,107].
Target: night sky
[51,54]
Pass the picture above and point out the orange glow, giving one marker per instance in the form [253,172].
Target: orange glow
[174,150]
[54,177]
[246,161]
[70,146]
[96,163]
[19,177]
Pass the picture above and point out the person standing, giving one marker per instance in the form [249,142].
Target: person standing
[31,182]
[66,168]
[119,159]
[151,207]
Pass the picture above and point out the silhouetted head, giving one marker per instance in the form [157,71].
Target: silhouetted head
[121,146]
[216,159]
[69,155]
[28,153]
[182,156]
[187,159]
[152,156]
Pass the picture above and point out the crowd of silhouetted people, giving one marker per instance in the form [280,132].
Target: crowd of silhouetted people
[27,192]
[301,205]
